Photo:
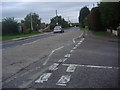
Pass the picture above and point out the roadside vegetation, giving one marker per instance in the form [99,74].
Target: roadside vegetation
[101,33]
[31,25]
[105,16]
[8,37]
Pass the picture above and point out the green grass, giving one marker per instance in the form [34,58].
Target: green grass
[101,33]
[83,28]
[9,37]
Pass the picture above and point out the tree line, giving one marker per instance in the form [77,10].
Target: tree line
[105,15]
[10,25]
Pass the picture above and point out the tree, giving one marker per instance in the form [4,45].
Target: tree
[82,16]
[94,22]
[110,14]
[35,21]
[58,20]
[9,26]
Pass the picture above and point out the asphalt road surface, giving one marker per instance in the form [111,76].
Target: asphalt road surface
[74,59]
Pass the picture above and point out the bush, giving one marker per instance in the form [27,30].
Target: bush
[26,31]
[9,26]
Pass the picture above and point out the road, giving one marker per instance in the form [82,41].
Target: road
[74,59]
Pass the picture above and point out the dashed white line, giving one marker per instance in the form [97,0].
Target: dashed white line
[67,55]
[73,40]
[79,43]
[71,51]
[63,80]
[43,77]
[74,47]
[62,60]
[51,55]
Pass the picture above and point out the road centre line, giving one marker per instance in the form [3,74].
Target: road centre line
[92,66]
[71,51]
[74,47]
[79,43]
[51,54]
[81,35]
[62,60]
[67,55]
[77,37]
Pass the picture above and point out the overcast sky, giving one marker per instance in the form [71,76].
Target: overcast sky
[45,10]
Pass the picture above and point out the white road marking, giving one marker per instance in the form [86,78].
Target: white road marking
[63,80]
[67,55]
[77,37]
[74,47]
[51,55]
[73,40]
[31,42]
[43,77]
[92,66]
[79,43]
[83,39]
[71,51]
[62,60]
[81,35]
[71,68]
[53,67]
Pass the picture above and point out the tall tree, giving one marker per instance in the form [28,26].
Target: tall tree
[9,26]
[34,19]
[110,14]
[93,19]
[58,20]
[82,16]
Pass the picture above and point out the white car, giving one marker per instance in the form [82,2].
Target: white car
[58,29]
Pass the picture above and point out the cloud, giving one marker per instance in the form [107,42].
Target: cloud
[46,10]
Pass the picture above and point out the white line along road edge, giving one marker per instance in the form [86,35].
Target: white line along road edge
[43,77]
[51,55]
[63,80]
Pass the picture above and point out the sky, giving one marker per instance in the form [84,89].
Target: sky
[45,10]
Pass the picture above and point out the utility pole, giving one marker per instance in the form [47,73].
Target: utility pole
[56,12]
[31,22]
[56,18]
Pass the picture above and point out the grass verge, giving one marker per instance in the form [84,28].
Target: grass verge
[101,33]
[83,28]
[9,37]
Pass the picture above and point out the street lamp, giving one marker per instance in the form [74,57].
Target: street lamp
[31,21]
